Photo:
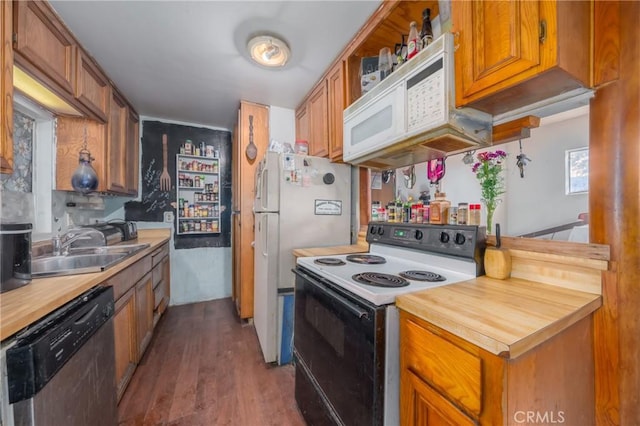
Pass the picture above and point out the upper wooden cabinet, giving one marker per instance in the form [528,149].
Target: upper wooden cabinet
[92,86]
[114,147]
[302,123]
[6,89]
[318,122]
[117,144]
[44,47]
[335,110]
[132,152]
[512,54]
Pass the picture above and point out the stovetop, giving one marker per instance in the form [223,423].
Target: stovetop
[408,259]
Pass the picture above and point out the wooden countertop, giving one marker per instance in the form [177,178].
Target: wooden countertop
[361,246]
[505,317]
[330,251]
[23,306]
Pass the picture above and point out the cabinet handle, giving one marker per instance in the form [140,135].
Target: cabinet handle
[543,31]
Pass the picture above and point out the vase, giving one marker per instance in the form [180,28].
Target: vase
[490,205]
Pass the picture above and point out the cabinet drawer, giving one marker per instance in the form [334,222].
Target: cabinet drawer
[123,281]
[453,371]
[159,254]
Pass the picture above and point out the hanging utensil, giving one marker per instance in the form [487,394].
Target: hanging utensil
[468,157]
[165,179]
[387,175]
[252,149]
[409,176]
[435,170]
[522,160]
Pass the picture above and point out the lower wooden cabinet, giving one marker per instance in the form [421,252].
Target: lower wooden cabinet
[125,339]
[136,310]
[446,380]
[144,314]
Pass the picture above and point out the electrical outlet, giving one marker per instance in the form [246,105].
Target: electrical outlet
[168,217]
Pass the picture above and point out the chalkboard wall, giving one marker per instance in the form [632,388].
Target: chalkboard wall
[155,202]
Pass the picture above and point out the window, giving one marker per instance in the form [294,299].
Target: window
[577,171]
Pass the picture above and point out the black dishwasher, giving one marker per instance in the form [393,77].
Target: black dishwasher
[61,370]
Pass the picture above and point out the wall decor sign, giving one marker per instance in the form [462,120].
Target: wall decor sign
[328,207]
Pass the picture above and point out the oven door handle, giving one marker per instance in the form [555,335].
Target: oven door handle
[355,310]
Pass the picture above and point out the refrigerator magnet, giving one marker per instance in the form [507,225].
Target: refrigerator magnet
[328,207]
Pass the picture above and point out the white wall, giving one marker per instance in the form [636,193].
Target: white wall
[282,124]
[536,202]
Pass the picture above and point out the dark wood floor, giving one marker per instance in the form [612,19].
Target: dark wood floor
[204,368]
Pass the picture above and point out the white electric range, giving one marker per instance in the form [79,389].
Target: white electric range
[345,316]
[404,258]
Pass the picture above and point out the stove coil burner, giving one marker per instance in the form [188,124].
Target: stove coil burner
[330,261]
[422,276]
[369,259]
[377,279]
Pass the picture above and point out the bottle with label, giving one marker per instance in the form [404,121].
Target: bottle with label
[413,44]
[463,213]
[426,33]
[439,209]
[474,214]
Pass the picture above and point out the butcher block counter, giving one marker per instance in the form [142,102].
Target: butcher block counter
[552,286]
[25,305]
[360,247]
[505,317]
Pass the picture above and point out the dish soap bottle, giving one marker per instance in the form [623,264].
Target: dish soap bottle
[412,45]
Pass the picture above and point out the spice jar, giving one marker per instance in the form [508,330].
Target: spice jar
[391,212]
[439,209]
[474,214]
[463,213]
[452,214]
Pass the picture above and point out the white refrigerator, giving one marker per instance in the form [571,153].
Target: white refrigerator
[301,201]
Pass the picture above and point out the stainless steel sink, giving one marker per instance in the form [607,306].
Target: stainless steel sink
[83,260]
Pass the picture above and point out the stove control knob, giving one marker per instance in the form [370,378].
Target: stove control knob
[460,238]
[444,237]
[380,230]
[418,235]
[372,230]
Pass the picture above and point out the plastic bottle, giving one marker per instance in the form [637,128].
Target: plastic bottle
[413,44]
[474,214]
[463,213]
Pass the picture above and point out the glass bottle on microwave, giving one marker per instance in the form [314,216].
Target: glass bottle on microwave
[413,45]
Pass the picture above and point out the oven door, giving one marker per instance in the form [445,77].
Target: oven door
[339,344]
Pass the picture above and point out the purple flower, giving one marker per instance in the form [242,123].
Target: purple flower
[501,153]
[475,167]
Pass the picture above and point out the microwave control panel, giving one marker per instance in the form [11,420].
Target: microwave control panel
[426,97]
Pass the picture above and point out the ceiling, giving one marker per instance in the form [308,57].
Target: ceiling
[186,61]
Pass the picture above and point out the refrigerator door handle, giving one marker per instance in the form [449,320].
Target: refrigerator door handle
[265,236]
[264,190]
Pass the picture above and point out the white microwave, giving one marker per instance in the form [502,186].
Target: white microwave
[411,117]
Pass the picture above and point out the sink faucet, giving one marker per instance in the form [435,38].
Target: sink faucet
[62,243]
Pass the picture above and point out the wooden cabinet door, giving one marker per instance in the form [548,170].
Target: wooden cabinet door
[44,47]
[318,122]
[6,89]
[144,314]
[336,106]
[423,406]
[92,87]
[166,284]
[302,123]
[124,322]
[497,40]
[132,152]
[243,172]
[511,54]
[116,148]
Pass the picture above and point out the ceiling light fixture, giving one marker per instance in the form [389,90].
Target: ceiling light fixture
[268,51]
